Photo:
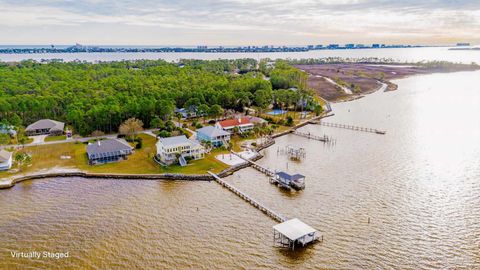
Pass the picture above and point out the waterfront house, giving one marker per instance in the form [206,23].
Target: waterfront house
[243,124]
[45,127]
[6,160]
[216,136]
[171,149]
[105,151]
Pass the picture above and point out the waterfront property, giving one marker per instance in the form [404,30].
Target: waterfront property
[45,127]
[293,232]
[5,160]
[243,124]
[171,149]
[106,151]
[216,136]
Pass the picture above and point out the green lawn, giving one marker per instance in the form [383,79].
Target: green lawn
[55,138]
[46,157]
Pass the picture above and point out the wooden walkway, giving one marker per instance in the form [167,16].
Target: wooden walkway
[269,212]
[364,129]
[311,136]
[257,166]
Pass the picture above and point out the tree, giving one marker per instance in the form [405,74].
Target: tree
[22,158]
[131,127]
[203,111]
[157,123]
[215,111]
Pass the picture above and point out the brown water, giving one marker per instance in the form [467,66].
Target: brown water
[419,184]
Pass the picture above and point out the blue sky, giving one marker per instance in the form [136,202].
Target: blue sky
[238,22]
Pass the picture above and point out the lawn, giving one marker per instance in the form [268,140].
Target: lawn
[55,138]
[45,157]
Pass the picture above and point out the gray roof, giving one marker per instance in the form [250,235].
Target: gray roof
[177,140]
[108,147]
[212,131]
[5,155]
[46,124]
[290,177]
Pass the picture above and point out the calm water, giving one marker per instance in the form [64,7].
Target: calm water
[419,184]
[400,54]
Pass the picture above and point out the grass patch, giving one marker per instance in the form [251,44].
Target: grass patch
[45,157]
[55,138]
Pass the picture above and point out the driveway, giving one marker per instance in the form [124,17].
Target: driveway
[38,139]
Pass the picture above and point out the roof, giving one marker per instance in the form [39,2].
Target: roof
[257,120]
[46,124]
[294,229]
[5,156]
[177,140]
[108,147]
[290,177]
[234,122]
[212,131]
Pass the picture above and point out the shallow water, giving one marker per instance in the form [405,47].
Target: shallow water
[419,184]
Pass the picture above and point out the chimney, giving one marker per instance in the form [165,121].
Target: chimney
[98,142]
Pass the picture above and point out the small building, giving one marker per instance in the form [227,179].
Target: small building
[243,124]
[294,232]
[171,149]
[45,127]
[257,120]
[6,160]
[106,151]
[287,181]
[214,135]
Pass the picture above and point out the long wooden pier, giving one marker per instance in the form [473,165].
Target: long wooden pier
[357,128]
[257,166]
[269,212]
[311,136]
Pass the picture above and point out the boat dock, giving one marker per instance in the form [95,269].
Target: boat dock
[289,232]
[269,212]
[357,128]
[274,176]
[323,138]
[257,166]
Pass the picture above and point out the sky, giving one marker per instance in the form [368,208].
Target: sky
[238,22]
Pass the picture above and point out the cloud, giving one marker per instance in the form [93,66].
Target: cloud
[251,21]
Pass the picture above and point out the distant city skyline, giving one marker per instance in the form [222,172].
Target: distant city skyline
[239,22]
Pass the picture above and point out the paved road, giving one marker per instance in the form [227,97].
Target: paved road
[84,139]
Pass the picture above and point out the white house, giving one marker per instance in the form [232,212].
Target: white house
[169,150]
[243,124]
[5,160]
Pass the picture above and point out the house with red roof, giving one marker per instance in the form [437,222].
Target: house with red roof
[243,124]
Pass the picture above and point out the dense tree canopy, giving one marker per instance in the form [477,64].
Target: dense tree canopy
[101,96]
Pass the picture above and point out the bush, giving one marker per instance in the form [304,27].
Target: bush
[164,134]
[198,125]
[289,121]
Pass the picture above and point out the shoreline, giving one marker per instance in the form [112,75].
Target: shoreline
[11,182]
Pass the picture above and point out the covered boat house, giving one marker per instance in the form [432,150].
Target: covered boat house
[106,151]
[293,233]
[285,180]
